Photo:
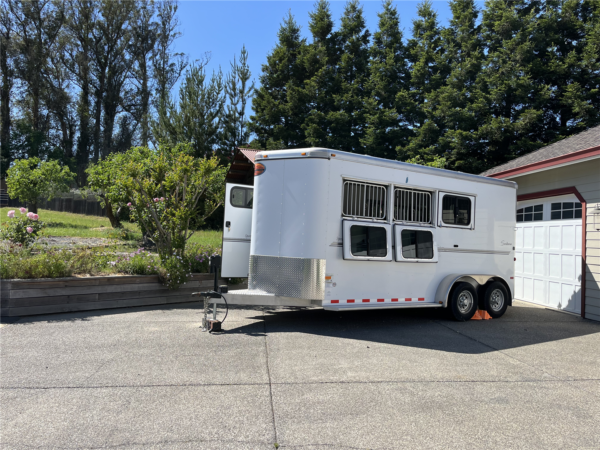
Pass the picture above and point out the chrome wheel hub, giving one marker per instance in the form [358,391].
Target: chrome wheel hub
[465,302]
[496,300]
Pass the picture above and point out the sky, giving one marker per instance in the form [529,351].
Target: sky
[223,27]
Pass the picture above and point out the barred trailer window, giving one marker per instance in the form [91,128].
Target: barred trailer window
[412,206]
[364,200]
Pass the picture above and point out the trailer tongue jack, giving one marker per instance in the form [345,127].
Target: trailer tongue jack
[213,324]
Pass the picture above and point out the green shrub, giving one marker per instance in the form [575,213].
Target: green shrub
[22,229]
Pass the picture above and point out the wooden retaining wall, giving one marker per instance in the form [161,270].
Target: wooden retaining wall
[59,295]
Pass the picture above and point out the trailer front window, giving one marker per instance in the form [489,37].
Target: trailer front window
[417,244]
[456,210]
[241,197]
[368,241]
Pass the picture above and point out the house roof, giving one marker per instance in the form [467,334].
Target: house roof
[579,146]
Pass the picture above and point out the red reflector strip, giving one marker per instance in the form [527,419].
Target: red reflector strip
[335,301]
[408,299]
[351,300]
[421,299]
[366,300]
[394,299]
[380,300]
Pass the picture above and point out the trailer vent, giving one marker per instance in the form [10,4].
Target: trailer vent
[363,200]
[412,206]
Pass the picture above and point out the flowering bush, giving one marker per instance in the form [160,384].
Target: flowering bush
[22,229]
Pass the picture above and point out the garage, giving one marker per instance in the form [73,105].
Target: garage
[557,234]
[548,252]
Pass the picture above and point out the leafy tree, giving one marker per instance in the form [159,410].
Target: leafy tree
[32,179]
[166,189]
[279,105]
[6,86]
[386,129]
[106,181]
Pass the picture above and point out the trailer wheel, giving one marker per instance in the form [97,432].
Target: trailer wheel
[495,300]
[463,302]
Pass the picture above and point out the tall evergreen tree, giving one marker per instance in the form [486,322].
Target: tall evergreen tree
[348,121]
[320,59]
[429,70]
[386,129]
[279,105]
[508,99]
[6,86]
[451,106]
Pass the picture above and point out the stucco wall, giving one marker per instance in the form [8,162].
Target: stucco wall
[585,176]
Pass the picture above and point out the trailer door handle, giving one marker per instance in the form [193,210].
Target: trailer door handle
[228,224]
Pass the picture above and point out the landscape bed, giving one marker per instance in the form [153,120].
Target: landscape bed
[60,295]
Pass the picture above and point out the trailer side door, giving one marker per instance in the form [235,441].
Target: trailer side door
[237,228]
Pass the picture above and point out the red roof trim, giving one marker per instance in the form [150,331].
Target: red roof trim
[564,191]
[569,157]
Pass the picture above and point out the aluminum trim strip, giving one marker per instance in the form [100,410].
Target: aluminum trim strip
[470,250]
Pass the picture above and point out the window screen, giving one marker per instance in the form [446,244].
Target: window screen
[417,244]
[530,213]
[412,206]
[241,197]
[363,200]
[368,241]
[456,210]
[565,210]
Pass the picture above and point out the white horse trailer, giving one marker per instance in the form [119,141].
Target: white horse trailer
[349,232]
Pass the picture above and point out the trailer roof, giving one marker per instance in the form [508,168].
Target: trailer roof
[326,153]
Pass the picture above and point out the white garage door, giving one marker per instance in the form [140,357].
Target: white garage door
[548,252]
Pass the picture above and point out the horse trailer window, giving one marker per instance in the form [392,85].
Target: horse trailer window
[368,241]
[363,200]
[241,197]
[456,210]
[417,244]
[412,206]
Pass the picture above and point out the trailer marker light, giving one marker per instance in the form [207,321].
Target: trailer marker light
[394,299]
[366,300]
[380,300]
[335,301]
[333,154]
[351,300]
[259,169]
[328,277]
[303,154]
[421,299]
[408,299]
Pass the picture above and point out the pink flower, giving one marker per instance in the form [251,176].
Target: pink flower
[23,210]
[155,200]
[30,215]
[29,230]
[35,217]
[129,204]
[162,199]
[11,213]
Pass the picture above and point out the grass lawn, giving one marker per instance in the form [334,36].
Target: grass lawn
[79,225]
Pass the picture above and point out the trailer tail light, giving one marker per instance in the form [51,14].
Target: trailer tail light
[259,169]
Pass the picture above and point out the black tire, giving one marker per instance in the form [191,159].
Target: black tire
[495,300]
[463,302]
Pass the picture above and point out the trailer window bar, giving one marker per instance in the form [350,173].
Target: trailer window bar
[364,200]
[412,206]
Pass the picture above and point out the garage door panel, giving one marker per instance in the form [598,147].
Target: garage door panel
[554,265]
[554,242]
[548,260]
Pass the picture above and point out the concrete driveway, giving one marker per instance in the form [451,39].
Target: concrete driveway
[303,379]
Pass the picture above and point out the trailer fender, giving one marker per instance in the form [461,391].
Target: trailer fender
[443,291]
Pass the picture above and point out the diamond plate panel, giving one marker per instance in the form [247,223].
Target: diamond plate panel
[288,277]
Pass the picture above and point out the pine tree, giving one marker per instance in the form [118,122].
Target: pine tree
[429,70]
[320,60]
[452,105]
[279,104]
[348,121]
[386,129]
[508,99]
